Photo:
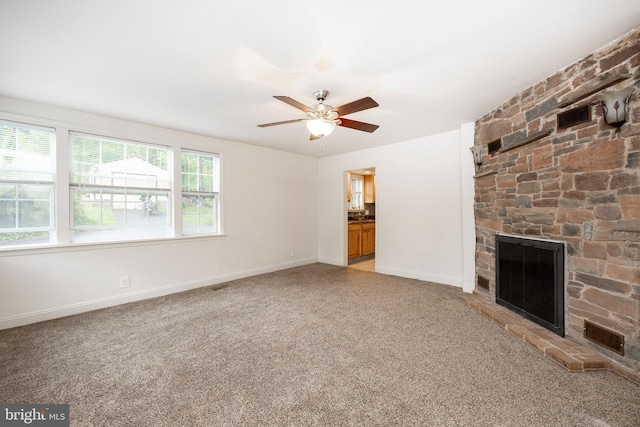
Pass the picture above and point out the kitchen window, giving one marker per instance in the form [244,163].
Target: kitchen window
[27,184]
[200,193]
[357,187]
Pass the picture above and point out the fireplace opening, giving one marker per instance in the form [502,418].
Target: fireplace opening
[530,280]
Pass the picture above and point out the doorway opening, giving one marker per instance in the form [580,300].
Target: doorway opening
[361,218]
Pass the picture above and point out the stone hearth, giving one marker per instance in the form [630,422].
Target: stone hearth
[566,353]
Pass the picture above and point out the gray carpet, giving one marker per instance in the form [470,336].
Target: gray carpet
[313,345]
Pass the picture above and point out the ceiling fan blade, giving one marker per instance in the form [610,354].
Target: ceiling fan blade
[279,123]
[359,105]
[293,103]
[354,124]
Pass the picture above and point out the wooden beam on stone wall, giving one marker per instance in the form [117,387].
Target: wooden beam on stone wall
[605,81]
[527,140]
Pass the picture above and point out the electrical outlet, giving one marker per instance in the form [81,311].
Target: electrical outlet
[124,282]
[293,253]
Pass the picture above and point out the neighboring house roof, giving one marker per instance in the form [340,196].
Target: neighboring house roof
[133,166]
[132,172]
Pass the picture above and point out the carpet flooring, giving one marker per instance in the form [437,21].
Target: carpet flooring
[316,345]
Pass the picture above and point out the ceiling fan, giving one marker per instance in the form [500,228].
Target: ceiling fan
[323,118]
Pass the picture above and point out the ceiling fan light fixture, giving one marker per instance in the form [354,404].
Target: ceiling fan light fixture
[321,127]
[322,118]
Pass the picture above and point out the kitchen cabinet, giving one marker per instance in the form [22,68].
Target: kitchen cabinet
[368,238]
[355,240]
[361,239]
[369,189]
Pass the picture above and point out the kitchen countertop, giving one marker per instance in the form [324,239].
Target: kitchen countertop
[360,221]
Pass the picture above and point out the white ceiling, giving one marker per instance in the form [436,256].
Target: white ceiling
[211,67]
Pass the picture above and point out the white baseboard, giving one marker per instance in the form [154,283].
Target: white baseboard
[420,275]
[85,306]
[331,261]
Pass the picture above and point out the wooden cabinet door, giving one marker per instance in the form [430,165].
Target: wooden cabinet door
[355,240]
[369,189]
[368,238]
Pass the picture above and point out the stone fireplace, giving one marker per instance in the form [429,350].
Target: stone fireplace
[548,176]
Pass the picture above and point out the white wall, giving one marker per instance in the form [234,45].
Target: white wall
[269,209]
[424,188]
[273,203]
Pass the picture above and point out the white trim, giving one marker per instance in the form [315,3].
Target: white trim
[88,246]
[467,195]
[76,133]
[427,277]
[26,125]
[331,261]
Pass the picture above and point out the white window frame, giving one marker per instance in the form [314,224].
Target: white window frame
[356,194]
[25,182]
[200,193]
[124,190]
[60,235]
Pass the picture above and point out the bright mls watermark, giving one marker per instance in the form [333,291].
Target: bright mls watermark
[34,415]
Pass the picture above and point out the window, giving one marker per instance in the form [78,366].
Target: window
[357,185]
[27,179]
[200,193]
[120,190]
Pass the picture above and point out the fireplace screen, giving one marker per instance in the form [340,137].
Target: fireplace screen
[530,280]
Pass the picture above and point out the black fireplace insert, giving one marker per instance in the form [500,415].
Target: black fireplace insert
[530,279]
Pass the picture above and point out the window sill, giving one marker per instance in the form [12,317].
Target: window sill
[88,246]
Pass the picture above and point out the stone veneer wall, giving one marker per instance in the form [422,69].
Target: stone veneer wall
[580,185]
